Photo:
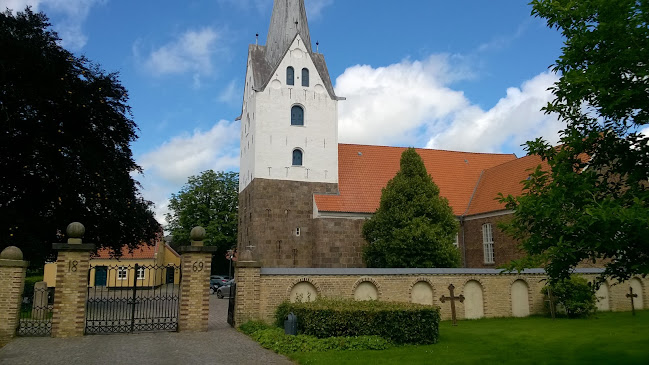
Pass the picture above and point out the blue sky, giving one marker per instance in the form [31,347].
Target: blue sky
[465,75]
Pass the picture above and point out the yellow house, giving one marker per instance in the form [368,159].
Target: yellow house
[147,266]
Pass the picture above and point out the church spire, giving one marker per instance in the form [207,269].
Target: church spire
[287,21]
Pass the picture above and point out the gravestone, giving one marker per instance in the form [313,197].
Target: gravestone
[452,298]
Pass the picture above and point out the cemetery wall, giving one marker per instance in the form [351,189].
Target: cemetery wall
[487,293]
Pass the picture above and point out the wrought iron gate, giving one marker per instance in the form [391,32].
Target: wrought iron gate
[36,312]
[231,304]
[132,298]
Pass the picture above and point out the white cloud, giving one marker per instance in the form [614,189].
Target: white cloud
[515,119]
[314,7]
[645,131]
[412,103]
[73,14]
[189,154]
[191,51]
[231,94]
[168,167]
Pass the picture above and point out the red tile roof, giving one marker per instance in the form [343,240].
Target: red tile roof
[364,170]
[506,178]
[144,251]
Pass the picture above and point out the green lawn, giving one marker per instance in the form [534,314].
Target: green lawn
[608,338]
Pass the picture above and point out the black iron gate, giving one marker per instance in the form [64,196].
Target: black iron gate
[36,311]
[132,298]
[231,304]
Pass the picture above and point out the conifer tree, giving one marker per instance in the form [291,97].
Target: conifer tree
[414,226]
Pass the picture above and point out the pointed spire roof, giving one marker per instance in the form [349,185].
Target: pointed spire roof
[288,20]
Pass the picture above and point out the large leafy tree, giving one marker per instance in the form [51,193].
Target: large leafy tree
[65,137]
[590,202]
[414,226]
[210,200]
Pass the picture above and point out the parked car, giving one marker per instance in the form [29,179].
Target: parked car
[224,291]
[217,281]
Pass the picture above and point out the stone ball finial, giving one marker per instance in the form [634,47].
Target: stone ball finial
[75,230]
[11,253]
[197,233]
[246,256]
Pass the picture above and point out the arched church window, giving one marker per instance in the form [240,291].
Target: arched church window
[290,76]
[297,115]
[297,157]
[305,77]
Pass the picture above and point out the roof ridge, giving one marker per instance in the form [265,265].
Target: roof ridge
[436,149]
[475,189]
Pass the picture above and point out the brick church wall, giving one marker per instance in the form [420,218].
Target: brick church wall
[505,247]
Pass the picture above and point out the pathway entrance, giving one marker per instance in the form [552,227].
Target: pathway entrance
[222,344]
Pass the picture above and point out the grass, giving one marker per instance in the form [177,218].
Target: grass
[607,338]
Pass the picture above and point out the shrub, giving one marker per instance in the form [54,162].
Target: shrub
[399,322]
[251,327]
[274,339]
[576,295]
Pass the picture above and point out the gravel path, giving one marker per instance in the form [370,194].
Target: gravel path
[220,345]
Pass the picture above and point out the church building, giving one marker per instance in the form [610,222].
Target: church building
[303,197]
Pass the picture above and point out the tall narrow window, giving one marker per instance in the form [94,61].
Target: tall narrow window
[297,157]
[488,243]
[305,77]
[297,115]
[290,76]
[456,243]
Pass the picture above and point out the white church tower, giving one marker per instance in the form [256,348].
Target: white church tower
[289,121]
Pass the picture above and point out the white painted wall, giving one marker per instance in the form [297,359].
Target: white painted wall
[267,144]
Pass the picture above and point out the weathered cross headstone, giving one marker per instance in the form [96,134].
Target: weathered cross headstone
[452,298]
[631,295]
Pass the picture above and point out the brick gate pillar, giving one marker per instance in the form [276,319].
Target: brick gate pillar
[248,275]
[195,266]
[12,282]
[71,293]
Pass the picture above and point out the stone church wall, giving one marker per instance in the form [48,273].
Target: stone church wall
[487,292]
[270,212]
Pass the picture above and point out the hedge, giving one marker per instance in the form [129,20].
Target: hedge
[399,322]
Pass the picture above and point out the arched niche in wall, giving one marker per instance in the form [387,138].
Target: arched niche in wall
[602,295]
[422,293]
[366,291]
[636,284]
[473,300]
[520,299]
[303,292]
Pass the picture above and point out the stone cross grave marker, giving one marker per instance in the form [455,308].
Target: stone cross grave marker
[631,295]
[452,298]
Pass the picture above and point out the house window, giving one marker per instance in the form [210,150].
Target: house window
[297,115]
[297,157]
[290,76]
[488,243]
[122,273]
[140,273]
[456,243]
[305,77]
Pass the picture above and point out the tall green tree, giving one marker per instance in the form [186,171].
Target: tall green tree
[414,226]
[65,134]
[591,201]
[210,200]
